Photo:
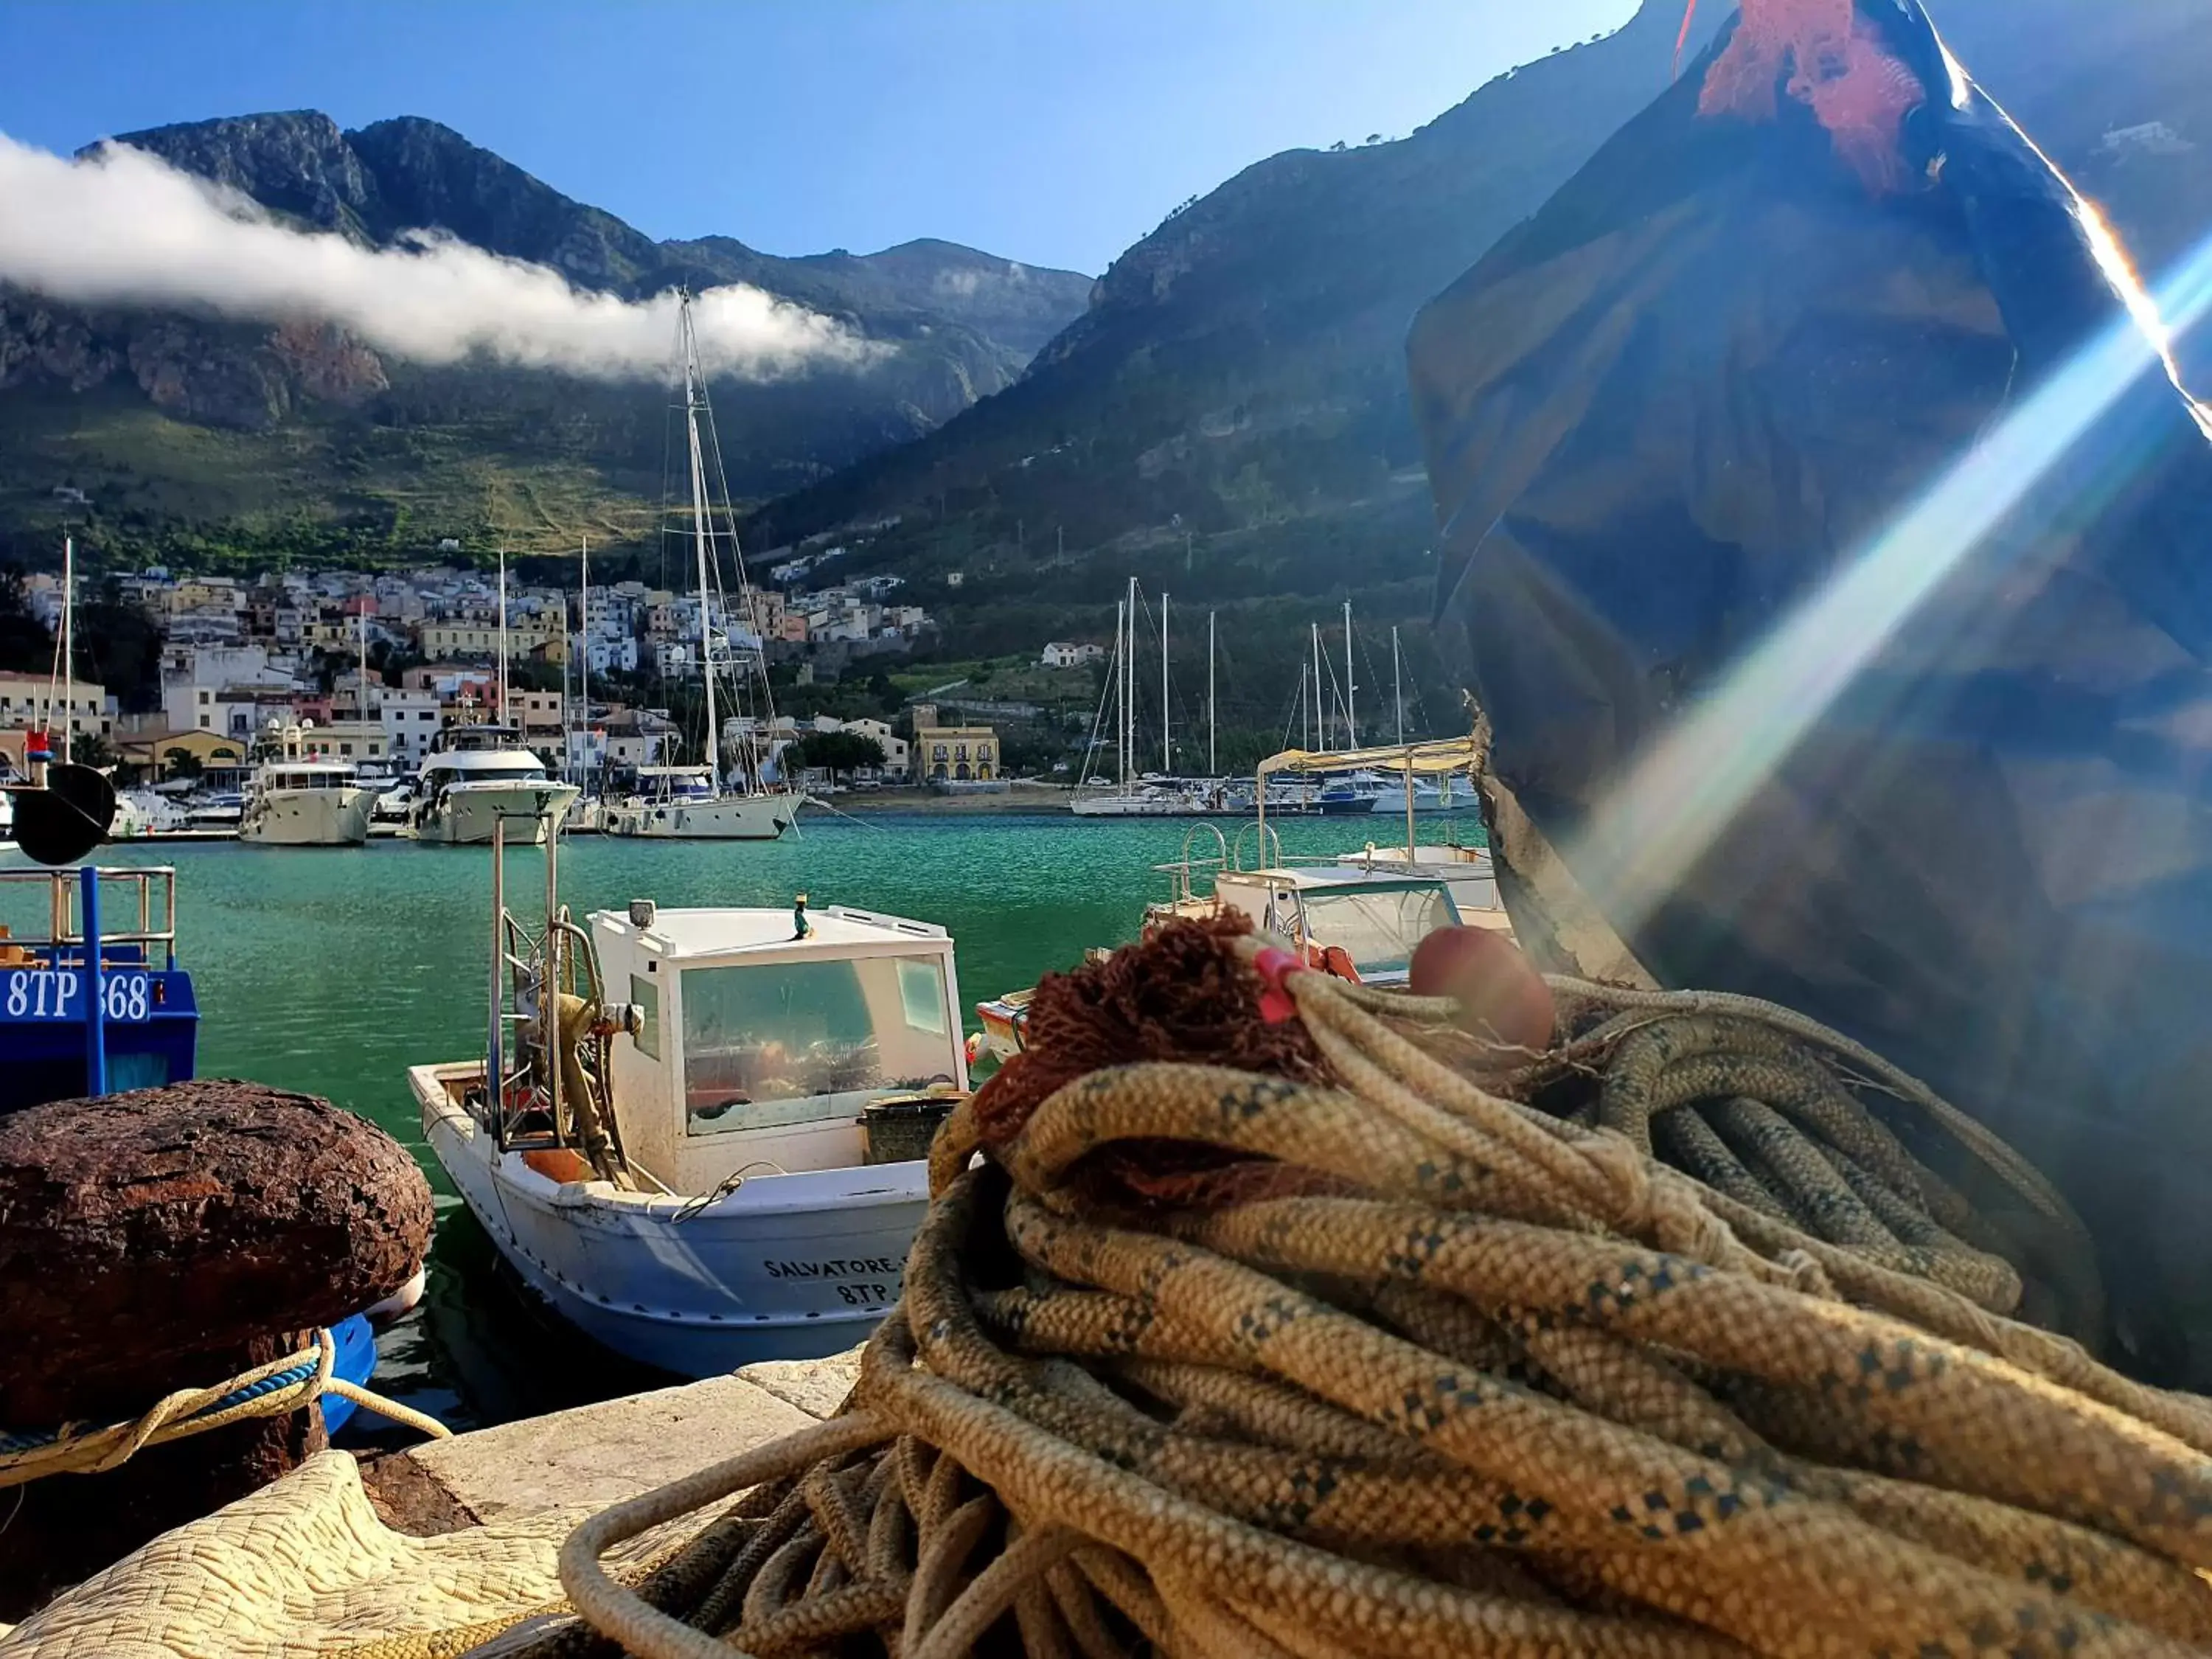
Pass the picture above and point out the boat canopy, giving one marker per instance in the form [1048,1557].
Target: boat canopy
[1426,760]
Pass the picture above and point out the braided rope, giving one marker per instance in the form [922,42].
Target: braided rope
[1494,1381]
[275,1389]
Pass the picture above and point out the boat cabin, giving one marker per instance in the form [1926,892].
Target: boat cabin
[476,740]
[759,1050]
[1375,919]
[59,1040]
[307,775]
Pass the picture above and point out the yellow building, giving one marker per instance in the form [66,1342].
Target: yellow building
[154,752]
[951,754]
[479,642]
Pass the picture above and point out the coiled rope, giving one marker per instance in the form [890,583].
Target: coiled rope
[281,1387]
[1407,1364]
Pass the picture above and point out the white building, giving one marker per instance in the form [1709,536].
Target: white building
[409,719]
[1061,655]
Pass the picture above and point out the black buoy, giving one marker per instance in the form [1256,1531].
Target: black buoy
[63,821]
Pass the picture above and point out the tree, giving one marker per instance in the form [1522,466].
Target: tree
[183,764]
[25,645]
[839,752]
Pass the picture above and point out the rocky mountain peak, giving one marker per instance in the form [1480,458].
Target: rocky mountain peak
[294,161]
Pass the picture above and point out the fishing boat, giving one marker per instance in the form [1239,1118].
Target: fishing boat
[311,802]
[1358,915]
[477,777]
[705,1143]
[1467,871]
[94,1001]
[700,803]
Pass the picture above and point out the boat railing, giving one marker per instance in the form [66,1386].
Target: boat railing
[148,892]
[1269,848]
[1184,871]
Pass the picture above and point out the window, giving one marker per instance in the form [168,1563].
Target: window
[646,995]
[206,698]
[345,749]
[204,722]
[803,1042]
[1377,929]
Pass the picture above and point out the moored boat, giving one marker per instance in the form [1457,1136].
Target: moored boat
[306,803]
[94,1002]
[706,1147]
[476,778]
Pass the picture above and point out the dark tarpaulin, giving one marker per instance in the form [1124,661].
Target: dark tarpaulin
[1661,415]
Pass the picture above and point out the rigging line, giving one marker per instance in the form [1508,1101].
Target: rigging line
[1106,691]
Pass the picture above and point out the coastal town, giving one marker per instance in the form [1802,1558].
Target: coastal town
[367,668]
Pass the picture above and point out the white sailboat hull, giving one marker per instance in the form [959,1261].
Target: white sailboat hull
[791,1267]
[465,814]
[308,817]
[726,818]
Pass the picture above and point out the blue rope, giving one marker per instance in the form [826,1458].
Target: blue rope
[30,1441]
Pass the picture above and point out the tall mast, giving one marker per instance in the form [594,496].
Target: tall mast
[69,646]
[1129,689]
[699,541]
[1398,687]
[1121,692]
[1320,709]
[360,620]
[502,637]
[1167,743]
[1212,713]
[584,666]
[1351,716]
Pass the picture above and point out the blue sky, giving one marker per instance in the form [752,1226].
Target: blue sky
[1056,131]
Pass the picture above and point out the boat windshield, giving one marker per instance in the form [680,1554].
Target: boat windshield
[1378,929]
[796,1043]
[515,772]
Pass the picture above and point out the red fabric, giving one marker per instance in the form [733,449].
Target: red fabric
[1836,66]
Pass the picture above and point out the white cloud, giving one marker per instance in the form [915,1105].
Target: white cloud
[124,227]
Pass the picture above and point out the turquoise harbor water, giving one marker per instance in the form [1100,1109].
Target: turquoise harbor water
[332,971]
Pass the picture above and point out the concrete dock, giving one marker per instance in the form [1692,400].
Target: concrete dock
[599,1455]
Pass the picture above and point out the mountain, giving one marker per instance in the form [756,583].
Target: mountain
[1230,417]
[259,431]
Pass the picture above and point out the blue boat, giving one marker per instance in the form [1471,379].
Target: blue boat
[92,1002]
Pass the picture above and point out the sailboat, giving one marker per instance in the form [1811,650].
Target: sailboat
[1132,795]
[693,803]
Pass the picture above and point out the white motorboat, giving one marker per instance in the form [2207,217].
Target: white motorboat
[306,803]
[477,777]
[726,1164]
[222,809]
[681,802]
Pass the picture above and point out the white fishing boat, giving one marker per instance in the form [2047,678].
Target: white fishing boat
[702,803]
[1467,871]
[477,777]
[725,1164]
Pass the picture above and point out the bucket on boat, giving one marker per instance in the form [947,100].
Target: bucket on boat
[899,1129]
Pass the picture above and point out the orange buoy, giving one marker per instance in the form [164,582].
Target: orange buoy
[1499,991]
